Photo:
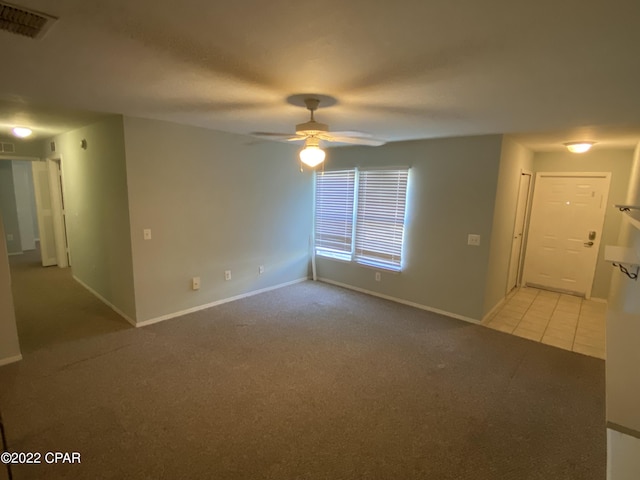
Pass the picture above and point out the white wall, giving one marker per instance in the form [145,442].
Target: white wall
[214,202]
[452,192]
[514,159]
[97,207]
[623,352]
[616,161]
[9,345]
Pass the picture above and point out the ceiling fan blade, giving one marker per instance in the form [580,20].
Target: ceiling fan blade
[287,137]
[272,134]
[372,142]
[350,133]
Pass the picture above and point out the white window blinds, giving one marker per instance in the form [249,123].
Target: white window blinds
[380,217]
[335,191]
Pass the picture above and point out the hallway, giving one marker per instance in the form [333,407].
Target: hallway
[52,308]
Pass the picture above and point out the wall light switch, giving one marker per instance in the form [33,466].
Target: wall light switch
[227,274]
[473,239]
[147,233]
[10,237]
[377,276]
[261,269]
[195,283]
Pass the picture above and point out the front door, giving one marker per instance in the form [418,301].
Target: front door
[564,234]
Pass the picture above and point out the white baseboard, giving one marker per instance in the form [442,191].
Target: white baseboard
[493,310]
[105,301]
[162,318]
[400,300]
[8,360]
[14,253]
[599,300]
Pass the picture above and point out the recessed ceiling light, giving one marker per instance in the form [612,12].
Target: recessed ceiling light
[579,147]
[22,132]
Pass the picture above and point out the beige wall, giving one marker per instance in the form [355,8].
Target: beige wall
[9,346]
[623,349]
[514,159]
[97,207]
[616,161]
[214,202]
[452,192]
[23,147]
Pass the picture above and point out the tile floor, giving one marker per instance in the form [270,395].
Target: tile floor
[563,321]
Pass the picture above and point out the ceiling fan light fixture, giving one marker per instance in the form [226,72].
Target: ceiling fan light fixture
[312,155]
[21,132]
[579,147]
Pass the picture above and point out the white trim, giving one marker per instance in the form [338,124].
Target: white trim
[599,300]
[8,360]
[400,300]
[496,307]
[105,301]
[11,156]
[14,253]
[162,318]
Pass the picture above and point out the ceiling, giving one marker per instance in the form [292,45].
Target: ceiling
[546,71]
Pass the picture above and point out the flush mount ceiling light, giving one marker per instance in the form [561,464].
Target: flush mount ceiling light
[579,147]
[22,132]
[312,155]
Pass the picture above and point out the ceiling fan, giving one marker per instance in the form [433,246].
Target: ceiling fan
[313,132]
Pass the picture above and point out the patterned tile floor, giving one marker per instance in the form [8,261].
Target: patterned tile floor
[563,321]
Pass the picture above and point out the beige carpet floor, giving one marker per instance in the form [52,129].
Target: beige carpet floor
[306,382]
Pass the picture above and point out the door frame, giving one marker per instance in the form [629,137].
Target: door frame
[606,175]
[63,252]
[525,229]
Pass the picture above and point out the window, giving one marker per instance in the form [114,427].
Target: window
[334,213]
[360,216]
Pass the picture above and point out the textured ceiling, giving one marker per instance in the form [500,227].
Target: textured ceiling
[548,71]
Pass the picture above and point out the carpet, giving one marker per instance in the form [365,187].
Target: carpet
[310,381]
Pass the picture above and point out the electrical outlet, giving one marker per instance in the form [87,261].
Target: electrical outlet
[377,276]
[10,237]
[473,239]
[147,233]
[260,269]
[227,274]
[195,283]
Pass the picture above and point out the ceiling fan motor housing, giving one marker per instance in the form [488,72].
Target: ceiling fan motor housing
[311,128]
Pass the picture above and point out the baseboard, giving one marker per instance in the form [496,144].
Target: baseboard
[162,318]
[495,308]
[8,360]
[105,301]
[599,300]
[400,300]
[14,253]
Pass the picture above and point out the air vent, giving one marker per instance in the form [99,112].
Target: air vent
[7,148]
[21,21]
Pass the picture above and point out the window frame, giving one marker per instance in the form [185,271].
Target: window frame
[352,256]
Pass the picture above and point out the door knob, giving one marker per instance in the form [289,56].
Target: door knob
[588,244]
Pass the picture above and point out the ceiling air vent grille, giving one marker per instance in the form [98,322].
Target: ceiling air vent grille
[20,21]
[7,148]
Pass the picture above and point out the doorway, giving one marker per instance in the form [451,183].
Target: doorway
[522,207]
[567,216]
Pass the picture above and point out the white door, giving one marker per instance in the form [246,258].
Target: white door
[57,205]
[518,231]
[567,215]
[45,213]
